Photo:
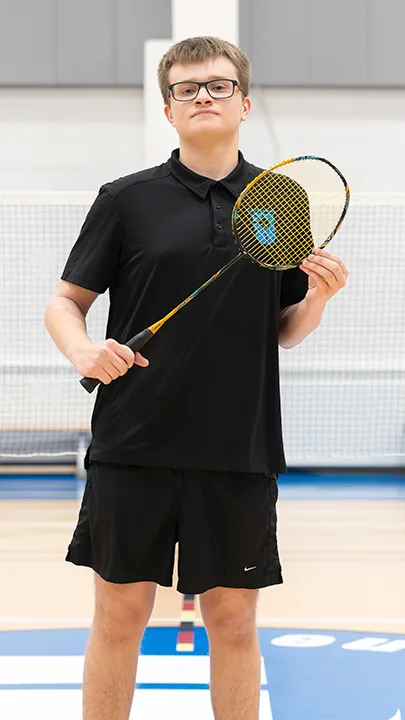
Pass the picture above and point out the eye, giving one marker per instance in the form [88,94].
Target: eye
[184,91]
[219,87]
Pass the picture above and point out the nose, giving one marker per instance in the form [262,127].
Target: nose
[203,97]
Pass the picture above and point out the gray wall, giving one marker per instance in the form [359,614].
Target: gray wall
[325,42]
[290,42]
[78,42]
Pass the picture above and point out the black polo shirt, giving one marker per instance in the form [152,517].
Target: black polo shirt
[210,396]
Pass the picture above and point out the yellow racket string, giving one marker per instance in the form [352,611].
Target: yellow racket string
[285,213]
[290,218]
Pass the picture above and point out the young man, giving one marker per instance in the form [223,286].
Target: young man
[186,444]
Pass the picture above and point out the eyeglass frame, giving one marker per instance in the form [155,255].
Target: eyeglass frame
[205,84]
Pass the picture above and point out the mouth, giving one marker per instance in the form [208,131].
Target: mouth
[205,112]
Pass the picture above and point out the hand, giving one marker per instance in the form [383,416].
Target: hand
[107,360]
[326,275]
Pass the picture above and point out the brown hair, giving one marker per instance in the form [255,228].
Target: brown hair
[197,50]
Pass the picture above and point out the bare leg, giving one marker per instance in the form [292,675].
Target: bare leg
[230,619]
[121,615]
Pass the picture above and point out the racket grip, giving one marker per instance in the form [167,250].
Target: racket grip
[135,343]
[90,384]
[138,341]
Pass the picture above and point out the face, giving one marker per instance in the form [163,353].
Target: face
[205,118]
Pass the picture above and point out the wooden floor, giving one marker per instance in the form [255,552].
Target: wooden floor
[343,565]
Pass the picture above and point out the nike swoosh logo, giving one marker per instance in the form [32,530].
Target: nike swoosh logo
[251,568]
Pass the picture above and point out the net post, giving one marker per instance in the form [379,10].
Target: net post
[80,455]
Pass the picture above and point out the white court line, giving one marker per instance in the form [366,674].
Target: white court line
[332,620]
[161,620]
[33,556]
[68,670]
[36,523]
[66,704]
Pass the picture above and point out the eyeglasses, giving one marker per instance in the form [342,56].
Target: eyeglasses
[217,89]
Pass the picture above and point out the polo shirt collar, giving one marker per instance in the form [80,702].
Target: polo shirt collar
[234,182]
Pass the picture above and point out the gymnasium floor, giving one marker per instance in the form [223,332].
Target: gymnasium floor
[332,637]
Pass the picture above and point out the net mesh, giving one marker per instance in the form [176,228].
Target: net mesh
[343,389]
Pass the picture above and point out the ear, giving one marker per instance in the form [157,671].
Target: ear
[246,105]
[169,115]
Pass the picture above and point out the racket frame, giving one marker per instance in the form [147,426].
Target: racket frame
[238,202]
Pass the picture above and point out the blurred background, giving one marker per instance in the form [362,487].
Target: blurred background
[80,106]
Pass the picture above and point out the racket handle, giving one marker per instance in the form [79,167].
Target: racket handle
[138,341]
[135,343]
[90,384]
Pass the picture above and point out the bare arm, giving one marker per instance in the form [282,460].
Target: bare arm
[327,275]
[298,321]
[65,320]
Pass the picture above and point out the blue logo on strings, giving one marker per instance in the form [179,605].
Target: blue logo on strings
[264,227]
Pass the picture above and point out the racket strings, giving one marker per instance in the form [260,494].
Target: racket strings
[283,215]
[292,244]
[292,226]
[288,227]
[286,210]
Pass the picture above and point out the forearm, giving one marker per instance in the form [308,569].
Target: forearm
[299,321]
[66,324]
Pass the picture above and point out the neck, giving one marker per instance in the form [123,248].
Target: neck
[214,161]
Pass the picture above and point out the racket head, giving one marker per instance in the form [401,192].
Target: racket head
[288,210]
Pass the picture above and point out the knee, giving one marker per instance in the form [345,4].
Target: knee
[231,626]
[118,624]
[120,619]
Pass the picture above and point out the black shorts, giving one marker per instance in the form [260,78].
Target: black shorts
[225,524]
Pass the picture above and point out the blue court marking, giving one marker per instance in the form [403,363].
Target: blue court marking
[39,487]
[345,486]
[294,484]
[312,675]
[331,682]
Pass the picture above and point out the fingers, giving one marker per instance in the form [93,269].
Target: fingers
[325,253]
[112,361]
[327,274]
[322,269]
[324,264]
[109,360]
[141,360]
[125,353]
[316,278]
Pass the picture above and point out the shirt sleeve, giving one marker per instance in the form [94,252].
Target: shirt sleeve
[294,286]
[93,260]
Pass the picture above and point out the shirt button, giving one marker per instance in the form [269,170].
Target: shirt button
[219,226]
[217,205]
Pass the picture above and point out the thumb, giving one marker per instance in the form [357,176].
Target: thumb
[141,360]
